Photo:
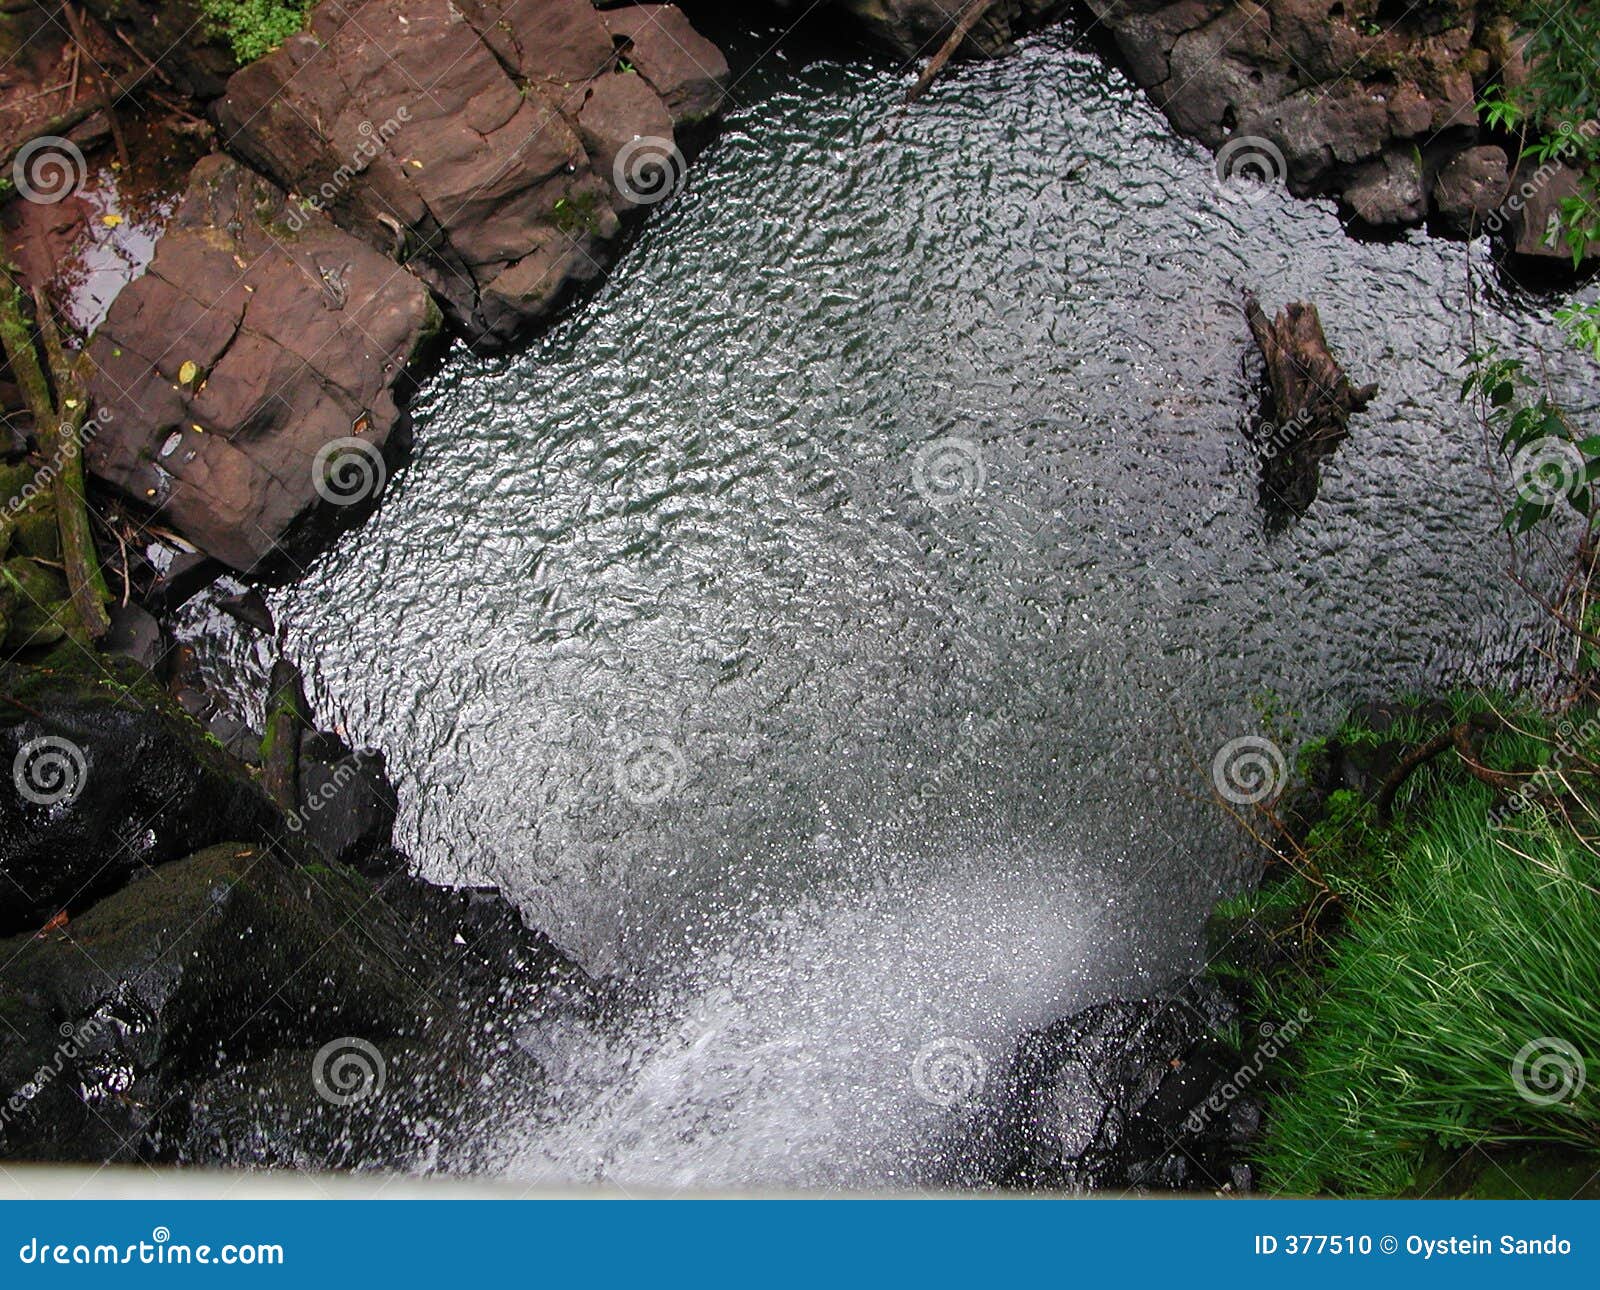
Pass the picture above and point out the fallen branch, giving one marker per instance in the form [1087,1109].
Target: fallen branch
[288,714]
[1458,737]
[80,41]
[936,64]
[60,433]
[930,73]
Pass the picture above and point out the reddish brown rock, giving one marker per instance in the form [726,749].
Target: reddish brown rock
[1533,211]
[247,347]
[473,142]
[682,66]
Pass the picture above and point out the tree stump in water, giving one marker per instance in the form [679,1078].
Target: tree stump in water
[1308,408]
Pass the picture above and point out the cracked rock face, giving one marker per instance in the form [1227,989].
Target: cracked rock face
[476,142]
[1363,103]
[248,347]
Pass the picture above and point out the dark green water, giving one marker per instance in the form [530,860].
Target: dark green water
[662,635]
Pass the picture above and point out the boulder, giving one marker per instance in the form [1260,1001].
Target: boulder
[137,636]
[1136,1093]
[1388,191]
[685,69]
[347,806]
[1348,101]
[215,957]
[1470,188]
[232,1008]
[1534,210]
[104,776]
[249,384]
[491,186]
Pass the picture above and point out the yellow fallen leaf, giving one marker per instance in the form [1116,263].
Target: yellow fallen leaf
[187,373]
[111,221]
[416,163]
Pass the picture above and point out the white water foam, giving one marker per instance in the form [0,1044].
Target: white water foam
[790,1057]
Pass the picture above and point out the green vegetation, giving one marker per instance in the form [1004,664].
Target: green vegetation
[254,28]
[1450,962]
[1555,112]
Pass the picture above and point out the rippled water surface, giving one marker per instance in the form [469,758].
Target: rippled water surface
[925,769]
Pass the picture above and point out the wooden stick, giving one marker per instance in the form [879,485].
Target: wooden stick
[106,103]
[930,73]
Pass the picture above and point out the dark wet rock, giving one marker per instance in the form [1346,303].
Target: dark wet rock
[1389,190]
[136,636]
[245,351]
[1349,103]
[1129,1094]
[180,575]
[250,608]
[232,1008]
[1470,188]
[347,806]
[103,776]
[268,1113]
[107,775]
[211,958]
[484,186]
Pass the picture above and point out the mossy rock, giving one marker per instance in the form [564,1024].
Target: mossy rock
[215,959]
[41,612]
[118,778]
[37,533]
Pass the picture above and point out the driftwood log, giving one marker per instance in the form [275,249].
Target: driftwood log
[1307,409]
[288,717]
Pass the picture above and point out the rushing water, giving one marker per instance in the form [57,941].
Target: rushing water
[666,632]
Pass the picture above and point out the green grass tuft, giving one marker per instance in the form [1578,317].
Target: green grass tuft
[1458,948]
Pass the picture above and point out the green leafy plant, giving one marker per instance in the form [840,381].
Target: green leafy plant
[1553,464]
[1554,108]
[254,28]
